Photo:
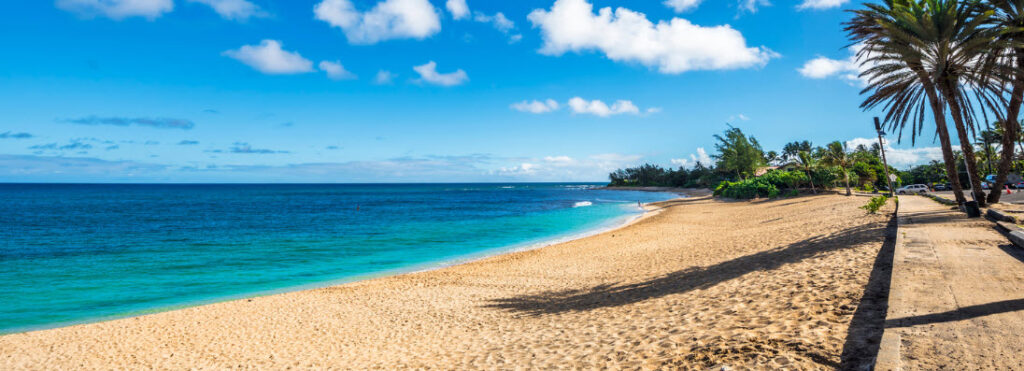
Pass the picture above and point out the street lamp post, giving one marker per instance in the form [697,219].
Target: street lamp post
[881,147]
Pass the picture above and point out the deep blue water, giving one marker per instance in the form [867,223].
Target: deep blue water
[74,253]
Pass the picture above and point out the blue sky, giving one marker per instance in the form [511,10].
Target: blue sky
[412,90]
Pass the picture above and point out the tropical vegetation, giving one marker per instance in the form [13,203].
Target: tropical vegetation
[953,64]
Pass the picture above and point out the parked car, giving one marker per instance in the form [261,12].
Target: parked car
[1018,185]
[911,189]
[942,187]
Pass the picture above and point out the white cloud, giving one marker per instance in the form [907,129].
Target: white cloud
[599,108]
[751,5]
[536,106]
[701,157]
[428,73]
[515,38]
[740,117]
[384,77]
[389,19]
[682,5]
[117,9]
[846,69]
[335,71]
[820,4]
[900,157]
[269,58]
[498,20]
[672,47]
[458,8]
[236,10]
[559,159]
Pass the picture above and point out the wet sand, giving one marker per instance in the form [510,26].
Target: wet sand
[702,283]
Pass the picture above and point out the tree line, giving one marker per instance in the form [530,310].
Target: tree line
[743,169]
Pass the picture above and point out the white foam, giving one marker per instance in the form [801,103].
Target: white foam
[582,204]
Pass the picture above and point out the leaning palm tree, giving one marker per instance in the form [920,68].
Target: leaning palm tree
[1008,18]
[808,164]
[912,53]
[836,155]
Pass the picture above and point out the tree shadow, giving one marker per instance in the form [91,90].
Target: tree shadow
[614,295]
[864,336]
[960,314]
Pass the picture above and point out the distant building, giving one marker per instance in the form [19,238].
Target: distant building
[789,166]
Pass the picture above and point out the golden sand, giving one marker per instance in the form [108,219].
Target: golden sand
[703,283]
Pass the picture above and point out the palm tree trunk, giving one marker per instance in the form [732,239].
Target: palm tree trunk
[965,144]
[846,176]
[1011,130]
[940,128]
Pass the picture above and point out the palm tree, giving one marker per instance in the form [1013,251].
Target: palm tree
[906,47]
[808,164]
[837,155]
[1009,17]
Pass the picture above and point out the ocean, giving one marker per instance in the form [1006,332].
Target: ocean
[74,253]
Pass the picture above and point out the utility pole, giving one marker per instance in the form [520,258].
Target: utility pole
[881,147]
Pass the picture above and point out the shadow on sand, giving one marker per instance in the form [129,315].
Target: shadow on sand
[865,333]
[613,295]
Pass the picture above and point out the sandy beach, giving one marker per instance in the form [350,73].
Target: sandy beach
[700,283]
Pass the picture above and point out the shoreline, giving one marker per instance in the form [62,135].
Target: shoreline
[680,286]
[613,225]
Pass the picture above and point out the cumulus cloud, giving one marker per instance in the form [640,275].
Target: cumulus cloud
[235,10]
[623,35]
[900,157]
[117,9]
[162,123]
[701,157]
[335,71]
[389,19]
[384,77]
[600,108]
[458,8]
[820,4]
[682,5]
[498,21]
[428,74]
[11,135]
[536,106]
[269,58]
[845,69]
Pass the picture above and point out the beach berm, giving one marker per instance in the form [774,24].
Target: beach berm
[702,283]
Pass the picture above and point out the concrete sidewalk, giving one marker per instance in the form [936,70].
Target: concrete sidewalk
[957,294]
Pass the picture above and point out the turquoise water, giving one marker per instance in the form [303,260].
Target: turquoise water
[79,253]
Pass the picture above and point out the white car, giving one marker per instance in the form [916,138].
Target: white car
[911,189]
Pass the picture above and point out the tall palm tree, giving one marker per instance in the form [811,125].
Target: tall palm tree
[836,155]
[1009,17]
[808,164]
[895,62]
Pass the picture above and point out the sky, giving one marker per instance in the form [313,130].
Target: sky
[361,91]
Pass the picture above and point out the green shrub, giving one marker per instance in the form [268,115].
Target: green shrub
[747,189]
[720,189]
[875,204]
[792,193]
